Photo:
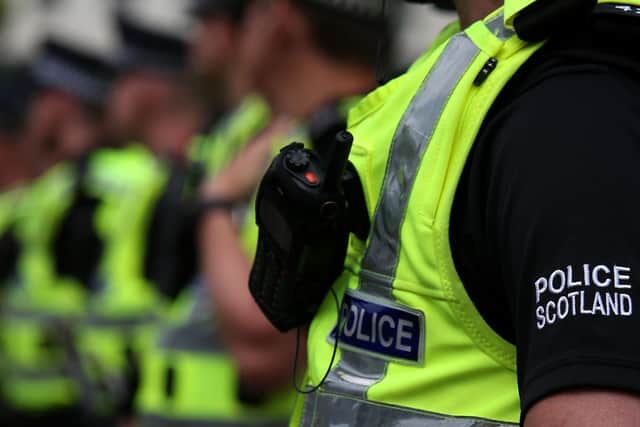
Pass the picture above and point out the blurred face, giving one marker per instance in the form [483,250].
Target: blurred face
[258,44]
[58,127]
[136,99]
[11,165]
[171,131]
[275,35]
[211,49]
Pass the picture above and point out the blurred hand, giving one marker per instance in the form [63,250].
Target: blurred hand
[241,178]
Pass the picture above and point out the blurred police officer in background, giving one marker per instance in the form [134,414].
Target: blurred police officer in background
[41,304]
[152,61]
[189,377]
[306,58]
[128,178]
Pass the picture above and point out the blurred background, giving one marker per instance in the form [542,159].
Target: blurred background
[122,301]
[25,22]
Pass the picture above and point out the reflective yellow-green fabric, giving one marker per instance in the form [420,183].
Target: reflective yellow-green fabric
[204,384]
[39,307]
[9,201]
[463,357]
[126,181]
[123,308]
[230,135]
[39,214]
[513,7]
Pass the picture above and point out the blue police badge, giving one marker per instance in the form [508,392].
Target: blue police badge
[381,328]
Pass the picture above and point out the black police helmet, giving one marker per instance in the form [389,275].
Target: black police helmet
[146,47]
[80,73]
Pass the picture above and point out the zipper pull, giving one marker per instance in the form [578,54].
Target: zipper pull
[486,70]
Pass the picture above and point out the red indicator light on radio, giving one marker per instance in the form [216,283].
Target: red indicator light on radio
[311,177]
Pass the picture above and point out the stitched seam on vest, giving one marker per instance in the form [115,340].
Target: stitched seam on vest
[487,340]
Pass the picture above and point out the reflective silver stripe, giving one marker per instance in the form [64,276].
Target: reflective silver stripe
[348,411]
[149,420]
[198,333]
[497,28]
[15,373]
[99,321]
[198,337]
[355,372]
[410,142]
[35,315]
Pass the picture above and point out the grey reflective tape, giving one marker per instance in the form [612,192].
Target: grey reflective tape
[198,336]
[497,28]
[38,316]
[356,373]
[17,373]
[144,319]
[149,420]
[327,410]
[199,332]
[410,142]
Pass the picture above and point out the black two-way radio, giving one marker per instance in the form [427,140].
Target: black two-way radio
[306,208]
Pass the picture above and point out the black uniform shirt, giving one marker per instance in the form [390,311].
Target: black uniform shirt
[545,227]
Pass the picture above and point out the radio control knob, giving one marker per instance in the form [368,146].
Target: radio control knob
[297,160]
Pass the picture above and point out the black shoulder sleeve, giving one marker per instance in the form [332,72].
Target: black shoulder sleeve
[557,229]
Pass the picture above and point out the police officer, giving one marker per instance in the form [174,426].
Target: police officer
[304,57]
[497,285]
[127,179]
[41,303]
[189,364]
